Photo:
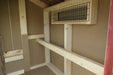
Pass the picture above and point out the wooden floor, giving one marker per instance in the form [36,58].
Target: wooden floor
[40,71]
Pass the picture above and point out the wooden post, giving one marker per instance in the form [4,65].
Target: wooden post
[24,34]
[108,70]
[47,35]
[67,46]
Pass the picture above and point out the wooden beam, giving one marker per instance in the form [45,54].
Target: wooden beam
[47,35]
[30,37]
[24,34]
[14,58]
[84,62]
[13,53]
[39,3]
[67,46]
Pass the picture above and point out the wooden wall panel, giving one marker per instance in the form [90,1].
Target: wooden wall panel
[57,38]
[5,25]
[9,25]
[36,53]
[14,66]
[14,15]
[35,26]
[77,70]
[34,18]
[90,41]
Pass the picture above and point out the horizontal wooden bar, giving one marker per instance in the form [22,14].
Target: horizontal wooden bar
[84,62]
[14,58]
[36,36]
[13,53]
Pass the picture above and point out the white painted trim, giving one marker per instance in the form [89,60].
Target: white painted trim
[36,36]
[17,72]
[82,61]
[15,58]
[67,46]
[54,69]
[38,66]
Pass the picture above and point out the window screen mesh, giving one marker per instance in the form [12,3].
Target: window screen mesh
[73,13]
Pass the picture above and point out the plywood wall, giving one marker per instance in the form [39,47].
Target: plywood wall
[35,26]
[9,25]
[89,41]
[15,24]
[9,21]
[4,25]
[10,31]
[14,66]
[57,38]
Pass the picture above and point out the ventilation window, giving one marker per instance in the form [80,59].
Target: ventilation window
[74,13]
[81,13]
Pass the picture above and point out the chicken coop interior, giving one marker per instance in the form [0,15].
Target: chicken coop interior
[54,37]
